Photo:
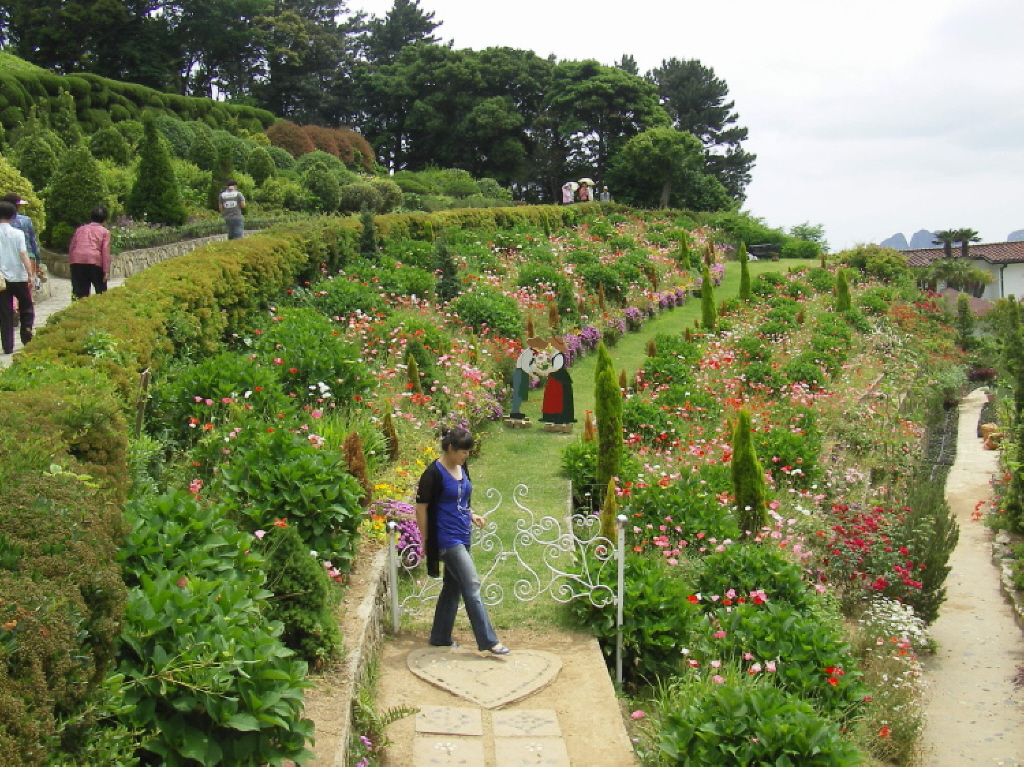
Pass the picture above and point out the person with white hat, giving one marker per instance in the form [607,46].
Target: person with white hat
[17,271]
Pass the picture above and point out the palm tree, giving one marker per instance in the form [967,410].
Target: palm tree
[959,275]
[945,238]
[965,237]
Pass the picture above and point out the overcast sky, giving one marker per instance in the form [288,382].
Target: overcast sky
[870,117]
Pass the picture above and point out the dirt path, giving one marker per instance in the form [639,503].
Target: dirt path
[975,714]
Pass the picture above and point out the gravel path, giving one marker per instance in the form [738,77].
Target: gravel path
[975,712]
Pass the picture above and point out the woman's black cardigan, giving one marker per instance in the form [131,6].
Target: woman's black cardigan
[428,491]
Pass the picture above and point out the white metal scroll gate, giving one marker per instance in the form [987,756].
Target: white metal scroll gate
[578,545]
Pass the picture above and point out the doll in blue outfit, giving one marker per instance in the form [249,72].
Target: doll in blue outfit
[445,518]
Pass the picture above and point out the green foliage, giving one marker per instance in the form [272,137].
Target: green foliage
[602,277]
[178,134]
[368,235]
[657,616]
[488,311]
[219,177]
[64,120]
[744,260]
[260,165]
[303,596]
[303,345]
[708,308]
[547,277]
[843,301]
[155,196]
[340,296]
[37,159]
[277,475]
[14,181]
[751,567]
[355,197]
[390,194]
[109,144]
[814,661]
[209,680]
[745,724]
[796,248]
[448,285]
[747,479]
[190,396]
[75,188]
[688,505]
[202,152]
[932,532]
[323,188]
[608,411]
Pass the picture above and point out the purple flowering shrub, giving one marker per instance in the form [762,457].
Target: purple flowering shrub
[410,542]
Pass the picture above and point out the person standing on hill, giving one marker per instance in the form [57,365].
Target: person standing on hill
[18,272]
[231,204]
[89,255]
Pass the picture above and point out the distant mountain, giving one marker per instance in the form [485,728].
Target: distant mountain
[1015,236]
[922,239]
[897,242]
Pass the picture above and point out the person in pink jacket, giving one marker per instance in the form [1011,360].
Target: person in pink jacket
[89,255]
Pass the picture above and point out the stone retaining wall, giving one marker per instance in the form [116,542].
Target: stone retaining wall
[130,262]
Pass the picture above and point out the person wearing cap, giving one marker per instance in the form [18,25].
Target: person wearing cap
[17,270]
[606,196]
[89,255]
[231,203]
[25,225]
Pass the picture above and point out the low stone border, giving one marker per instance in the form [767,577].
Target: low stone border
[130,262]
[361,646]
[1003,558]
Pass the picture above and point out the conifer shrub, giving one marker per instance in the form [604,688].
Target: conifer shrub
[843,301]
[448,285]
[178,134]
[708,310]
[303,596]
[238,148]
[260,165]
[390,194]
[64,119]
[202,152]
[355,459]
[368,235]
[323,188]
[155,196]
[76,186]
[37,160]
[748,478]
[608,410]
[744,260]
[132,130]
[222,172]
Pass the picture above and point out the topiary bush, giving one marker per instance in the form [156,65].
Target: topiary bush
[37,159]
[155,196]
[109,144]
[355,197]
[323,188]
[75,188]
[260,165]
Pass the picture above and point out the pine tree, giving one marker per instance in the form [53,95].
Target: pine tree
[412,372]
[76,187]
[64,120]
[744,260]
[748,479]
[609,511]
[708,312]
[608,404]
[155,195]
[390,436]
[964,323]
[448,287]
[843,302]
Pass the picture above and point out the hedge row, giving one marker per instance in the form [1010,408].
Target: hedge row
[100,101]
[67,403]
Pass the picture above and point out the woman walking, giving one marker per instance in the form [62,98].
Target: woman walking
[445,518]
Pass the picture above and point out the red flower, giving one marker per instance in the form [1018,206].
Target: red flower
[693,599]
[281,522]
[884,732]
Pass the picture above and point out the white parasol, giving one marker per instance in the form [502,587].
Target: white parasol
[587,181]
[571,184]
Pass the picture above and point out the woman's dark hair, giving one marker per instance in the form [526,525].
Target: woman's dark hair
[457,438]
[98,215]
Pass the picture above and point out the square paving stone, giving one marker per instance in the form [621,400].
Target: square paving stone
[526,723]
[449,720]
[447,752]
[531,752]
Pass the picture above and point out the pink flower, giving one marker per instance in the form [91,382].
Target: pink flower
[717,679]
[769,666]
[260,533]
[317,414]
[716,664]
[719,635]
[183,581]
[748,656]
[278,361]
[637,715]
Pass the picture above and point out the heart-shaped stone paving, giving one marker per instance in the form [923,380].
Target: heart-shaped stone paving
[490,681]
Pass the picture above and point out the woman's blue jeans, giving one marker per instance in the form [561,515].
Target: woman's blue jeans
[460,580]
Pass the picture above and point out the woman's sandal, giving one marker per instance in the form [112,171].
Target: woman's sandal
[499,649]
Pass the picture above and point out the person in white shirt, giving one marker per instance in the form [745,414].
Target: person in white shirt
[18,272]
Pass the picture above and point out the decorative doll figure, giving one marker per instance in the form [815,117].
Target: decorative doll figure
[524,374]
[557,407]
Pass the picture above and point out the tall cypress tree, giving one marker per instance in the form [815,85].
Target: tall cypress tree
[155,195]
[708,310]
[843,302]
[747,479]
[608,406]
[744,260]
